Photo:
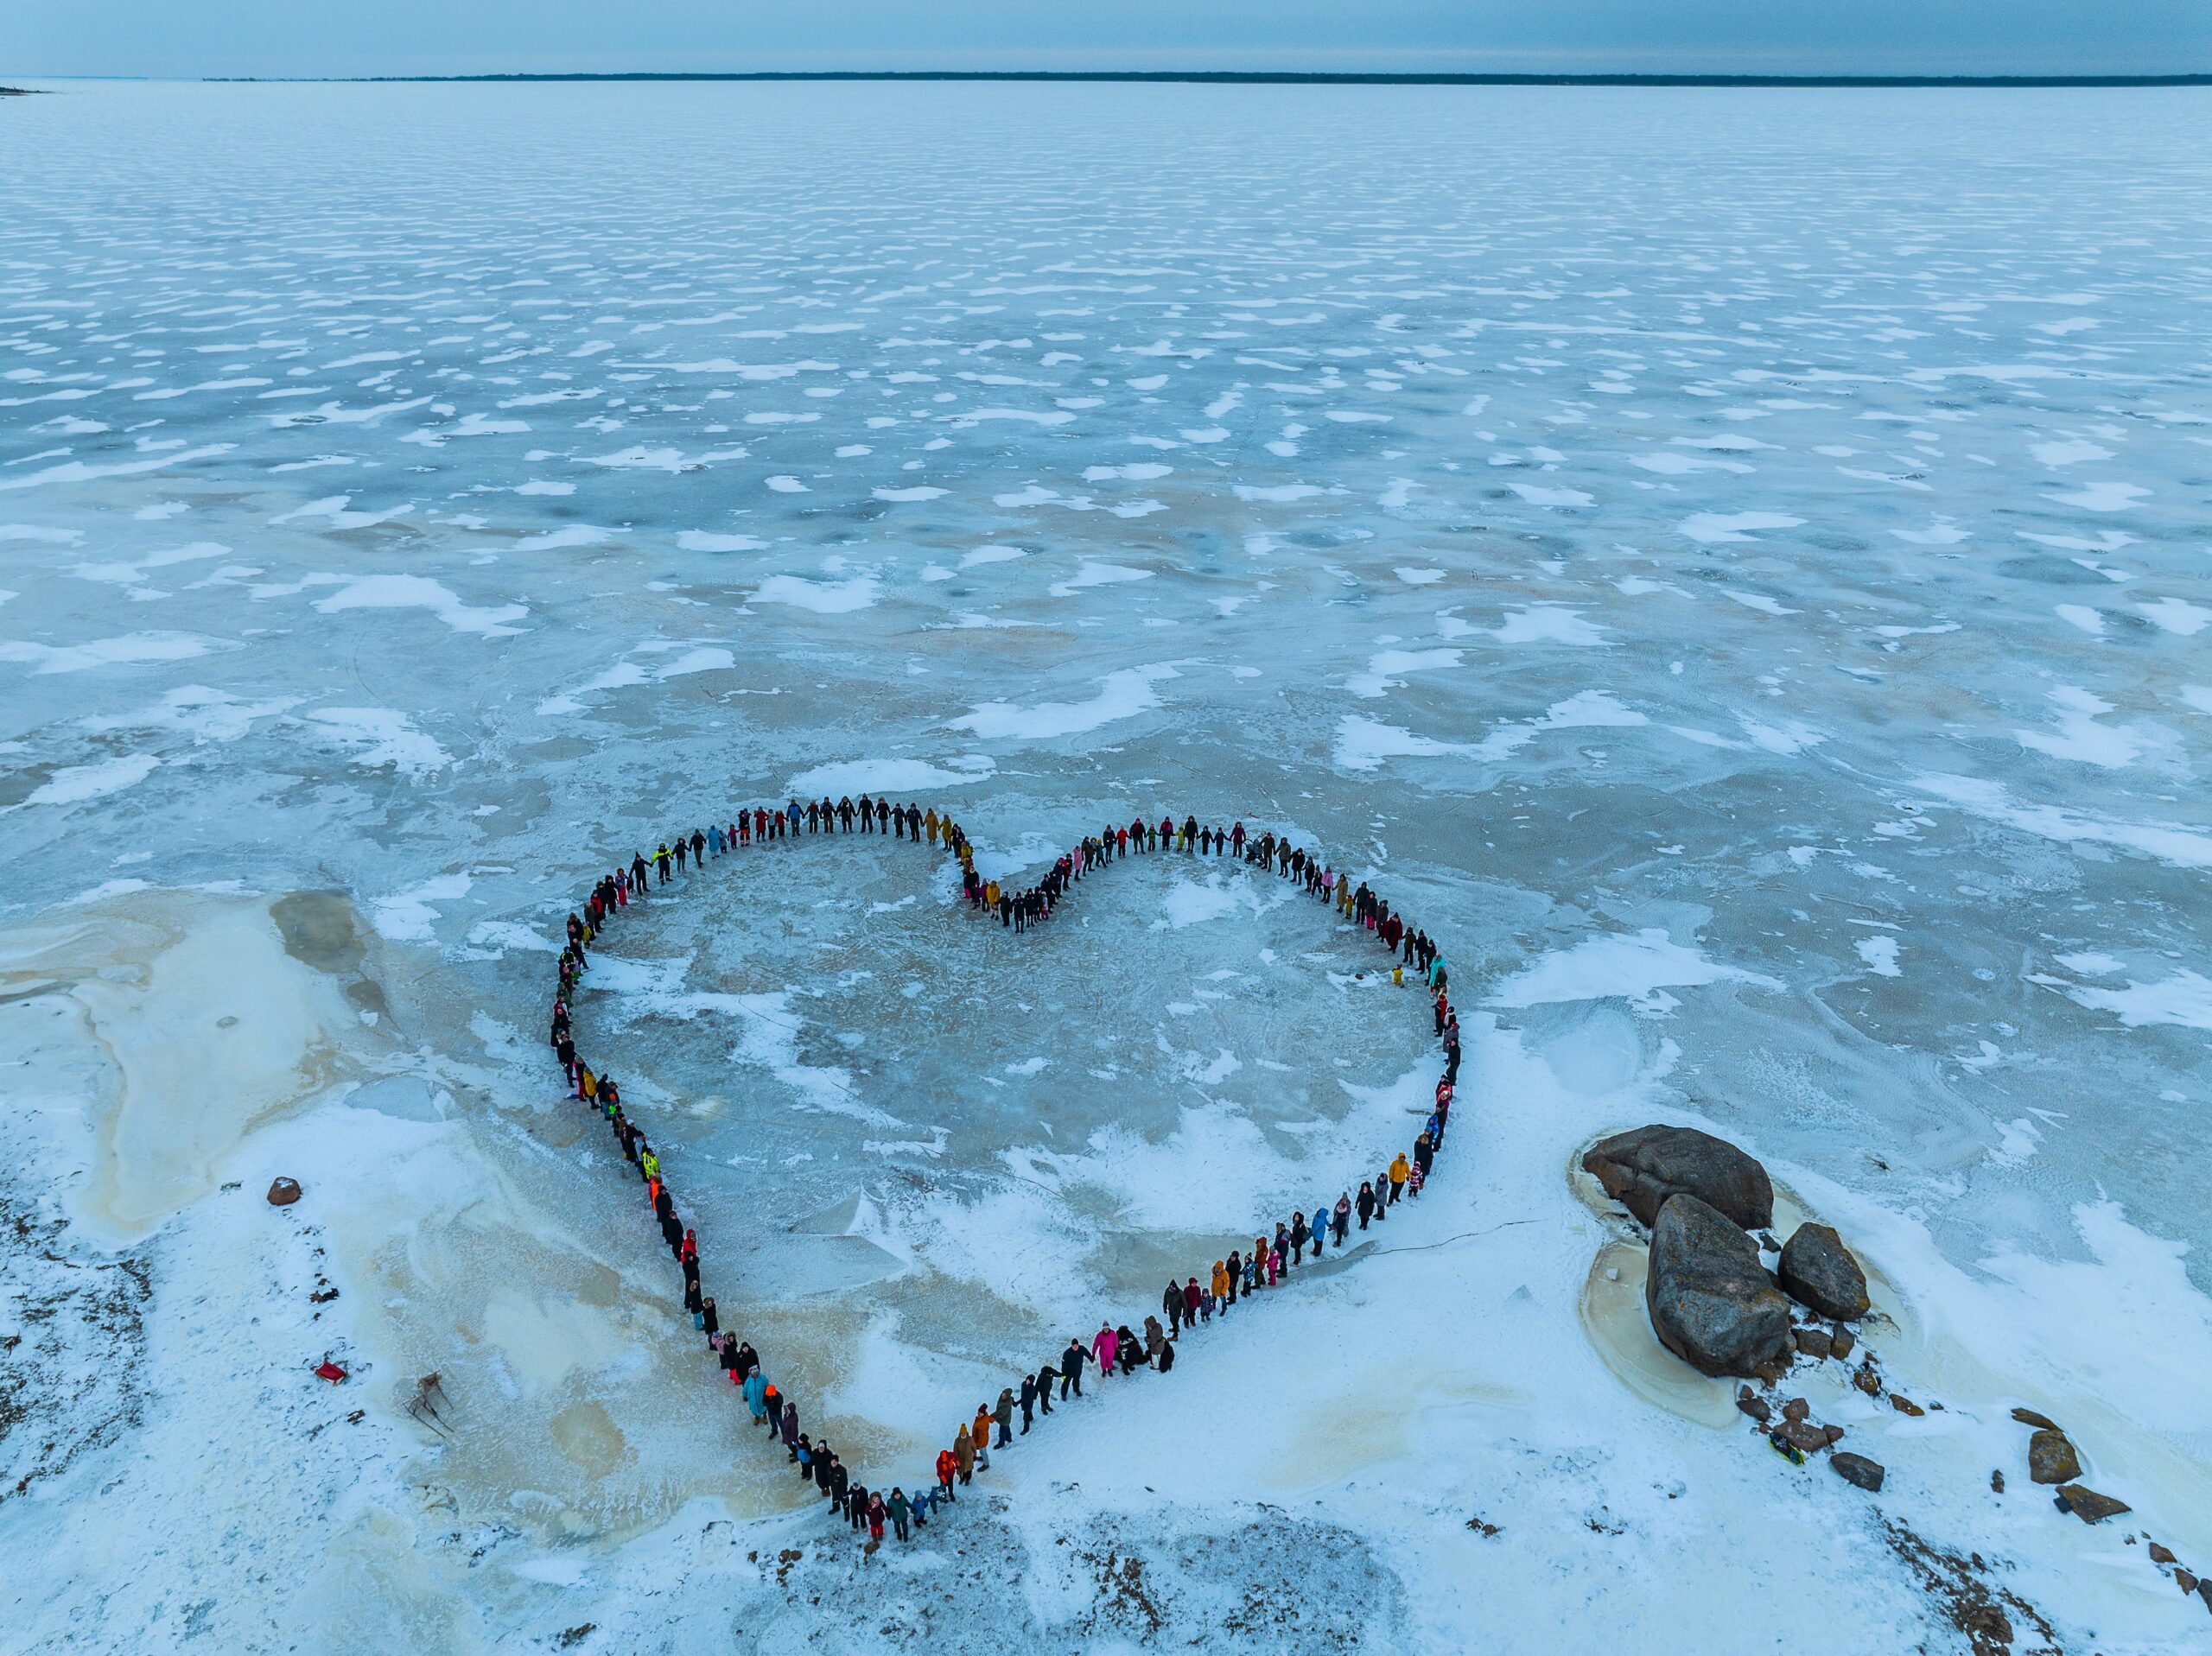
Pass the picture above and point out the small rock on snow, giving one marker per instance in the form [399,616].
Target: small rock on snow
[1857,1469]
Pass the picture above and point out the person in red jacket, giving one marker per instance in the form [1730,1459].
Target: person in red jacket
[948,1468]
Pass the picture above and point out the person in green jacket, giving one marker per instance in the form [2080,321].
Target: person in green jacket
[900,1509]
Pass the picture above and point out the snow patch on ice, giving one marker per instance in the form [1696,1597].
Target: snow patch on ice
[421,592]
[2184,999]
[75,784]
[408,917]
[822,597]
[1549,624]
[1631,965]
[1724,527]
[384,739]
[1121,696]
[1880,955]
[882,776]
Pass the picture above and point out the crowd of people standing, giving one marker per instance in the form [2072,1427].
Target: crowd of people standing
[1116,1349]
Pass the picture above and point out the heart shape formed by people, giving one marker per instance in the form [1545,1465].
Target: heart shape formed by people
[1256,1269]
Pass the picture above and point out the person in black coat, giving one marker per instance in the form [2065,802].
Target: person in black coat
[1072,1362]
[1028,1401]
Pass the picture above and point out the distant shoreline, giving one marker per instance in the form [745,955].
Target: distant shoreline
[1274,78]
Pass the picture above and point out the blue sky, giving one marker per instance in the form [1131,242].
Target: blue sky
[341,37]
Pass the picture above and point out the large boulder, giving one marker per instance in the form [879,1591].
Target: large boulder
[1818,1270]
[1641,1169]
[2051,1458]
[1711,1303]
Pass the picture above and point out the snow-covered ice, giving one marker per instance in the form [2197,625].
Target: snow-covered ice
[1730,562]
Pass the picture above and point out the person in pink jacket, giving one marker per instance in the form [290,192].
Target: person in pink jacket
[1104,1347]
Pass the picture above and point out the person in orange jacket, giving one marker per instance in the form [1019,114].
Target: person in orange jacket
[1398,1176]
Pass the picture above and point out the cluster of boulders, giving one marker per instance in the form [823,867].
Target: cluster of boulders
[1713,1303]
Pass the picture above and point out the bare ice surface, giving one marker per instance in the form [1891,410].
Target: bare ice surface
[1731,564]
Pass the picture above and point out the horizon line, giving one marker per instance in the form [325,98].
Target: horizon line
[1242,76]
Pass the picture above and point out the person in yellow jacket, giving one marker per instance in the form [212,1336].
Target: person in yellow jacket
[1220,1283]
[1398,1171]
[649,1165]
[929,823]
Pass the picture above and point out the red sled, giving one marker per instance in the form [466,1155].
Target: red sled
[330,1372]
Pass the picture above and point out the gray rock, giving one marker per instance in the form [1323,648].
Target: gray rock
[1857,1469]
[1818,1270]
[1711,1303]
[2051,1458]
[1641,1169]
